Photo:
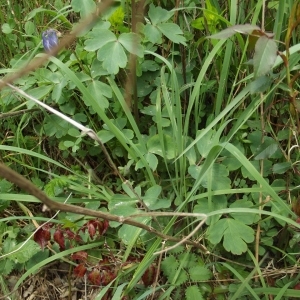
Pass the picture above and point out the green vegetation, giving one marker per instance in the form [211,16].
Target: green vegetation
[195,109]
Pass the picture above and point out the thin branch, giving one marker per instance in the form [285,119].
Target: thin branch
[28,186]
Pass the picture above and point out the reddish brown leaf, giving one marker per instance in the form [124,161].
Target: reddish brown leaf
[104,264]
[297,286]
[80,255]
[59,239]
[72,235]
[95,225]
[149,276]
[106,224]
[95,277]
[102,227]
[91,228]
[42,236]
[80,270]
[107,277]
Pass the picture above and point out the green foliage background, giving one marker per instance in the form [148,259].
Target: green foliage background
[208,123]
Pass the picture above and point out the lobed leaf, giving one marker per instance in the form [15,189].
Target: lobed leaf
[235,235]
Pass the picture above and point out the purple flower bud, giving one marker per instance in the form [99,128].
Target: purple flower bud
[50,39]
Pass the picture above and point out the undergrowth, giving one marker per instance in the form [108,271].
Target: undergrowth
[197,106]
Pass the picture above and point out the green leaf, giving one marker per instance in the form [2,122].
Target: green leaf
[39,93]
[6,28]
[83,7]
[264,56]
[281,168]
[267,152]
[99,90]
[256,164]
[217,175]
[235,235]
[113,57]
[118,292]
[56,126]
[192,292]
[152,34]
[199,273]
[6,266]
[172,32]
[117,18]
[154,146]
[26,252]
[128,233]
[206,142]
[158,14]
[198,23]
[151,198]
[29,28]
[260,84]
[152,160]
[5,186]
[169,266]
[98,38]
[132,43]
[245,218]
[105,135]
[204,206]
[211,13]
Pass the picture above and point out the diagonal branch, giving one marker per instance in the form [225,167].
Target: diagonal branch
[28,186]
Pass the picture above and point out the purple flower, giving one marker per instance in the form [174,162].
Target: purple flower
[50,39]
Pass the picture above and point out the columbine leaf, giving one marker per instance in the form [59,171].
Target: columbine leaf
[99,90]
[83,7]
[264,56]
[172,32]
[230,31]
[131,42]
[56,126]
[281,168]
[217,175]
[98,38]
[205,144]
[235,235]
[113,57]
[158,14]
[152,200]
[152,34]
[245,218]
[267,152]
[154,146]
[152,160]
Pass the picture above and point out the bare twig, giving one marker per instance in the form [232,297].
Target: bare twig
[26,185]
